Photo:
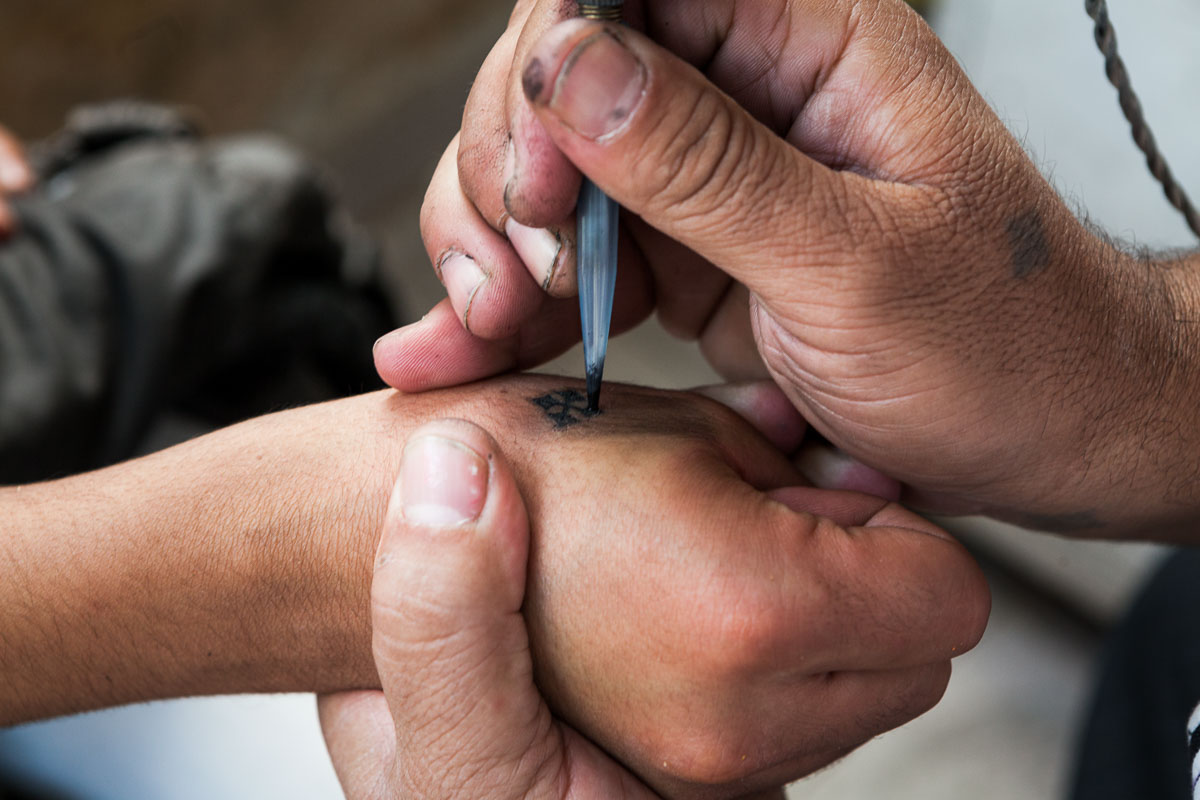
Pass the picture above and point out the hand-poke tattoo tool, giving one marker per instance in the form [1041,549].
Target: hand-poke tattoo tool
[597,255]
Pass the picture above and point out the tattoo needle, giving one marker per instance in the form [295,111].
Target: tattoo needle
[597,256]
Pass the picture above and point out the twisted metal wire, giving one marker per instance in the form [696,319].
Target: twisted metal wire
[1118,76]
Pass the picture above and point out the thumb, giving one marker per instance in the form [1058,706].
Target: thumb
[450,643]
[670,146]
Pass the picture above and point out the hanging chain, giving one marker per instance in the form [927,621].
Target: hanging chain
[1118,76]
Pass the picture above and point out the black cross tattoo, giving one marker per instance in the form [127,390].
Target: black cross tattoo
[565,407]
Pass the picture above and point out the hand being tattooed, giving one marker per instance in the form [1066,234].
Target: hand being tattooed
[814,190]
[691,605]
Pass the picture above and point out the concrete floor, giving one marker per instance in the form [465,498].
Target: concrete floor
[374,91]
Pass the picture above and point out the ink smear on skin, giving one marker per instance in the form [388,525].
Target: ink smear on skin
[565,407]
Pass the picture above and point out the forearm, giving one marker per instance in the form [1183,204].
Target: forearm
[1159,454]
[238,561]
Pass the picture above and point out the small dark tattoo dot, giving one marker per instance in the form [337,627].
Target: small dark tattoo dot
[565,407]
[1027,242]
[533,81]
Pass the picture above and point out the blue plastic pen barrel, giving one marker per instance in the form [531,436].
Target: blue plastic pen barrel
[597,219]
[597,263]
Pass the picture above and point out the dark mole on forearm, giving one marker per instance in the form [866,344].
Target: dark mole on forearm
[1028,244]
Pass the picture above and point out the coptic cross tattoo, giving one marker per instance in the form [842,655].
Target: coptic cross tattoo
[564,408]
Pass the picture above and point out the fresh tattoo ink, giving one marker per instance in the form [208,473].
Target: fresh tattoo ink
[1027,242]
[565,407]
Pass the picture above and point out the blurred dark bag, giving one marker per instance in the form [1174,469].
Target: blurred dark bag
[153,270]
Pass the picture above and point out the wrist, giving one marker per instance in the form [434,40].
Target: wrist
[1131,402]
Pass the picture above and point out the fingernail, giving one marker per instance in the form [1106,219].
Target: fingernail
[600,86]
[537,247]
[462,278]
[443,482]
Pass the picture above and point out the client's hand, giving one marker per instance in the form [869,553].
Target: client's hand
[15,176]
[716,632]
[690,609]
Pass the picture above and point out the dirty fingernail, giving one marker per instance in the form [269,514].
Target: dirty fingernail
[538,247]
[600,86]
[462,278]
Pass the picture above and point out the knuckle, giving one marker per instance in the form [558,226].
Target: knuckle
[711,155]
[747,628]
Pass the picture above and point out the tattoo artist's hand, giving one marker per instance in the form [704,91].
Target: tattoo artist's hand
[15,176]
[818,181]
[707,621]
[459,715]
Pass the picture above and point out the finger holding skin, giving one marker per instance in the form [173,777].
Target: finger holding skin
[451,646]
[448,638]
[438,351]
[487,284]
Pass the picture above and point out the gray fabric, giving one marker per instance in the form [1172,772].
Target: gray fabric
[164,271]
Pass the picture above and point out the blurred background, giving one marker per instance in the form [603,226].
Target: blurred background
[373,91]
